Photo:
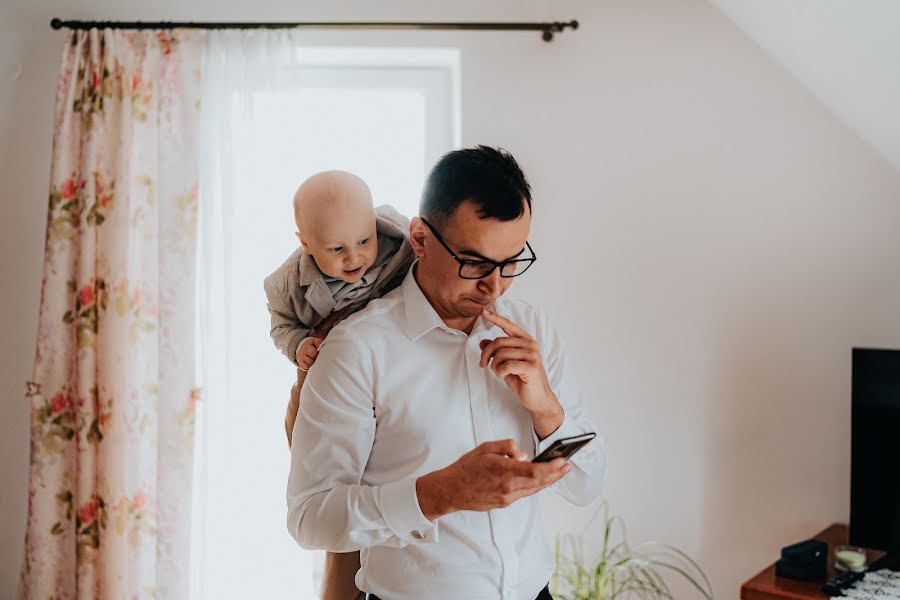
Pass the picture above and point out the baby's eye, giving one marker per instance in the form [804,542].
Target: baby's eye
[364,242]
[337,250]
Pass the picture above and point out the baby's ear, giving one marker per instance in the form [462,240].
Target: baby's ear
[302,242]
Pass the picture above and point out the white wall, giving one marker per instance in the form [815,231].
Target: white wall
[847,53]
[712,242]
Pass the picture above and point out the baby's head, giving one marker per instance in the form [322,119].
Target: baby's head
[336,224]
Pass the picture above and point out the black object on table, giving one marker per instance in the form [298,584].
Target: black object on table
[805,561]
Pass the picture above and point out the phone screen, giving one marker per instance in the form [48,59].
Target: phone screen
[565,447]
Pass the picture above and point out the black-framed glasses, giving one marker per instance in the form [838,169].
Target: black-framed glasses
[479,269]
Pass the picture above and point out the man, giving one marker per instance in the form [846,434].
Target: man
[417,420]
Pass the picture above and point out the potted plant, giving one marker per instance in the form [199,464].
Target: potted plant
[621,571]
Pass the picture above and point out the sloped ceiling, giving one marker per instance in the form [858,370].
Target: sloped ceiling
[846,52]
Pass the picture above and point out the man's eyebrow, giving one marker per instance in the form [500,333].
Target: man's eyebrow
[483,257]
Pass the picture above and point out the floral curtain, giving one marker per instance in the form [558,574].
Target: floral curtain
[114,386]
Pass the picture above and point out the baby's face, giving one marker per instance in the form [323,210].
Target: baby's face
[344,244]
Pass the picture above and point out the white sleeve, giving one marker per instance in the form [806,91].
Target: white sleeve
[585,482]
[328,508]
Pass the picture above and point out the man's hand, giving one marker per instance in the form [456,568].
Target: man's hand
[516,360]
[307,353]
[492,475]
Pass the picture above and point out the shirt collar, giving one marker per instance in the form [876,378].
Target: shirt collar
[422,318]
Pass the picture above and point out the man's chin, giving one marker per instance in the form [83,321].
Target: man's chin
[472,308]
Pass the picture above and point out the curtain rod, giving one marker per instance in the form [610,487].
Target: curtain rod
[547,29]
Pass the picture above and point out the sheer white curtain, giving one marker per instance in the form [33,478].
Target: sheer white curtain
[241,545]
[273,113]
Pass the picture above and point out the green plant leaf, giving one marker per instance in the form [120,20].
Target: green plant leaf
[621,571]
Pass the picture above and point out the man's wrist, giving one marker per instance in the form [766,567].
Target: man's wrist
[433,501]
[546,422]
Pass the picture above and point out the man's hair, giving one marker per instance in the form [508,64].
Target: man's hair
[488,177]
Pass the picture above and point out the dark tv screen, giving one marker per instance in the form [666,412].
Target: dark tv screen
[875,450]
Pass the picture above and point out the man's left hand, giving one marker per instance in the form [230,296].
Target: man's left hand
[516,360]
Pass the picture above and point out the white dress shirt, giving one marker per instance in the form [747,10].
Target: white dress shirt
[395,394]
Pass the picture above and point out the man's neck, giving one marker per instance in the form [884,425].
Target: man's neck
[464,324]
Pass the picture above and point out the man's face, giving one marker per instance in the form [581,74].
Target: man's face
[473,238]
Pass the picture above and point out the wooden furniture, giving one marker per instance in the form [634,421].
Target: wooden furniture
[766,586]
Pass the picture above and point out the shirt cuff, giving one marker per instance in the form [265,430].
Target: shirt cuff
[402,514]
[568,428]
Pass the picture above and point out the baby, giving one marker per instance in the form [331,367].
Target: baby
[350,253]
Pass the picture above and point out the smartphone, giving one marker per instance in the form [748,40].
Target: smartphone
[565,447]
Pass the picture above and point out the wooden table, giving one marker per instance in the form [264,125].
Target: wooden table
[766,586]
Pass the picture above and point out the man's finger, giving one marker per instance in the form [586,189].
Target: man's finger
[547,482]
[551,466]
[506,342]
[505,324]
[526,487]
[489,347]
[504,354]
[548,477]
[536,471]
[506,447]
[558,474]
[511,367]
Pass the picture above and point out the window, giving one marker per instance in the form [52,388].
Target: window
[384,114]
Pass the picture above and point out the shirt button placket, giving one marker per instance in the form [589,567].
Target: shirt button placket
[484,431]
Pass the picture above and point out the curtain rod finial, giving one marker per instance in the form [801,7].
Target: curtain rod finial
[56,23]
[557,27]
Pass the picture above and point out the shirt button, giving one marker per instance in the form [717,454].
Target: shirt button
[418,535]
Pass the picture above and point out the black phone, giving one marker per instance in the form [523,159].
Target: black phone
[564,447]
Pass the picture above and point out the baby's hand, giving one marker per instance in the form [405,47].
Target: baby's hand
[307,352]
